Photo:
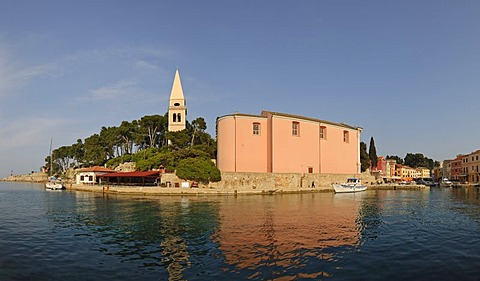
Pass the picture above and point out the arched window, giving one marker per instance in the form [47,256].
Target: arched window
[174,117]
[179,117]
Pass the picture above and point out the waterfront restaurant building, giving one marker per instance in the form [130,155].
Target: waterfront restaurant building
[274,142]
[91,175]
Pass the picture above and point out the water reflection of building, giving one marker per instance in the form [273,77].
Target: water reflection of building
[283,230]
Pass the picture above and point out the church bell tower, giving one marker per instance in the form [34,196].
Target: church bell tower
[177,110]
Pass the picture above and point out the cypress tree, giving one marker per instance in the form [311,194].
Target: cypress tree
[364,159]
[372,153]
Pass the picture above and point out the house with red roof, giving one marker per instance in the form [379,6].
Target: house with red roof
[91,175]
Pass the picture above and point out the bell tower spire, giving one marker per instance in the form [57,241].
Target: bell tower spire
[177,110]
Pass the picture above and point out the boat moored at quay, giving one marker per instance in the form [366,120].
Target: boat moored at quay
[352,185]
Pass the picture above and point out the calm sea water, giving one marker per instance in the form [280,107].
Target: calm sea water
[376,235]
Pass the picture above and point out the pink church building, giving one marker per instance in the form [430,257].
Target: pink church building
[275,142]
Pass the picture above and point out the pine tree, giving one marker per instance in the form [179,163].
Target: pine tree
[372,153]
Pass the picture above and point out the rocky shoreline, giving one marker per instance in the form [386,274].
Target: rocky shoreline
[33,177]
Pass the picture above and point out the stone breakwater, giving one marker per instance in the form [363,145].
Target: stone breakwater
[33,177]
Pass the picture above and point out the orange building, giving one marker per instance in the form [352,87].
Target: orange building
[283,143]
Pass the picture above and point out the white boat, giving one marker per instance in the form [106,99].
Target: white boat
[352,185]
[53,184]
[446,183]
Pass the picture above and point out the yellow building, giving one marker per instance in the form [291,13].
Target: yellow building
[406,173]
[423,172]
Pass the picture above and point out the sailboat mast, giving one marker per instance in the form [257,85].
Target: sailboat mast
[51,162]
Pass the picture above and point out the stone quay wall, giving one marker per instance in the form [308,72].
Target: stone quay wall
[235,183]
[267,182]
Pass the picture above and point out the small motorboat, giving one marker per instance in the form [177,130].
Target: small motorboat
[352,185]
[54,184]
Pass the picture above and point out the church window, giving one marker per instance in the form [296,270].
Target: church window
[295,129]
[174,117]
[176,104]
[179,116]
[345,136]
[256,128]
[323,132]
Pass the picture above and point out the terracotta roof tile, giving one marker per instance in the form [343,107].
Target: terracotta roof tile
[96,169]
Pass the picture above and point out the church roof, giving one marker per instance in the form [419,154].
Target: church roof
[177,91]
[265,113]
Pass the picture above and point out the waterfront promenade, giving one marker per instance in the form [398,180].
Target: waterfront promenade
[231,184]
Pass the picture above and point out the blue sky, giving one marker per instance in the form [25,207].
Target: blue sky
[406,71]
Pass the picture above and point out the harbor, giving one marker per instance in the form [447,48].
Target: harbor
[307,236]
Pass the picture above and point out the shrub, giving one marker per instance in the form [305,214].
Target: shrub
[198,169]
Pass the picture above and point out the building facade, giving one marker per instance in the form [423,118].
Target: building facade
[423,172]
[275,142]
[456,169]
[91,175]
[447,169]
[382,166]
[390,169]
[471,164]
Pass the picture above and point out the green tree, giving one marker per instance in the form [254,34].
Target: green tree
[153,129]
[64,156]
[126,133]
[198,169]
[78,152]
[198,126]
[364,159]
[418,160]
[372,153]
[115,145]
[94,151]
[110,141]
[396,158]
[178,140]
